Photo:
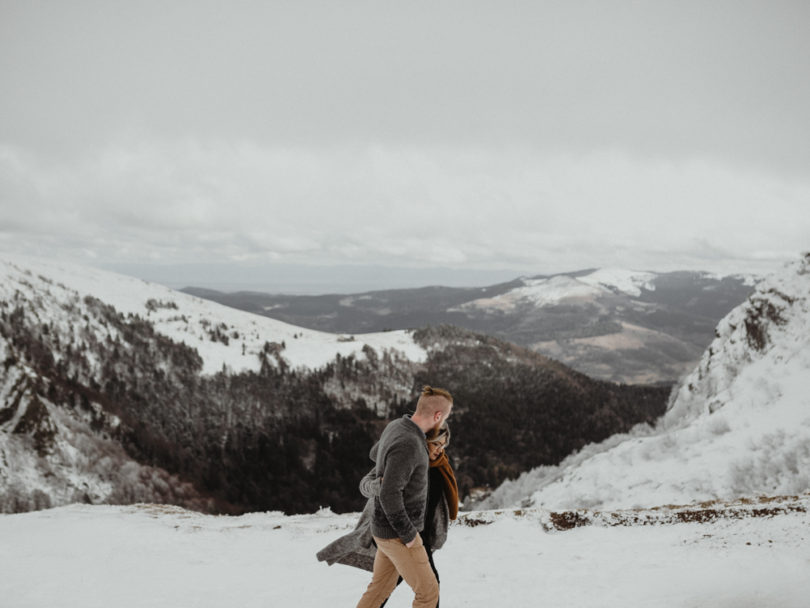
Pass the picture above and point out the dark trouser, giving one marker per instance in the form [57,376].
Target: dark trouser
[432,565]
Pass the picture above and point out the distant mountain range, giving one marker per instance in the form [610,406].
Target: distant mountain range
[737,426]
[611,324]
[115,390]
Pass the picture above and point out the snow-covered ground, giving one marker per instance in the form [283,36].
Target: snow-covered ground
[155,556]
[185,318]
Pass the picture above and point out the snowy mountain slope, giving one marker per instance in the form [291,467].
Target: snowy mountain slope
[50,455]
[739,425]
[534,292]
[621,280]
[222,335]
[74,355]
[548,291]
[209,407]
[613,324]
[622,325]
[165,557]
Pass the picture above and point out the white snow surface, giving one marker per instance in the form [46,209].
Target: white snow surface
[739,425]
[59,282]
[534,292]
[165,557]
[553,290]
[630,282]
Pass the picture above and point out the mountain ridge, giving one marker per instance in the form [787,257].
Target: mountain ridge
[131,392]
[612,324]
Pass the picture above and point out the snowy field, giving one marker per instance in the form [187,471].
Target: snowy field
[158,556]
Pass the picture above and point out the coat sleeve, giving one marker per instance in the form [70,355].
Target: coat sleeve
[370,484]
[399,466]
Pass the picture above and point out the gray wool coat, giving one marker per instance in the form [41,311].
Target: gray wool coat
[357,548]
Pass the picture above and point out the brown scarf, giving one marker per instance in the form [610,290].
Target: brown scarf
[450,484]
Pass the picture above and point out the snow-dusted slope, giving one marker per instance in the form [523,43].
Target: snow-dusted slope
[630,282]
[59,431]
[535,292]
[553,290]
[738,425]
[50,455]
[185,318]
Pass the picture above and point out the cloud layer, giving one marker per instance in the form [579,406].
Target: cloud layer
[513,207]
[535,136]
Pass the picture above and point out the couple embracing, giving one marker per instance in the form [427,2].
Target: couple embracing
[412,494]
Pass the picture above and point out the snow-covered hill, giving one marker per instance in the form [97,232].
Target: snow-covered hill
[739,425]
[165,557]
[114,390]
[60,426]
[613,324]
[548,291]
[221,335]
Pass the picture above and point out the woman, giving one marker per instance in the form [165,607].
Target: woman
[357,548]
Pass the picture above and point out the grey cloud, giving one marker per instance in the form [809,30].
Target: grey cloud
[536,136]
[725,79]
[510,207]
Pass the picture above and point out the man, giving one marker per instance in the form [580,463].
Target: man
[399,510]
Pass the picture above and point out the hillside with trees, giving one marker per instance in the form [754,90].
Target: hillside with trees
[91,393]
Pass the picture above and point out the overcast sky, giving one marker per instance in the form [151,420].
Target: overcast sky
[275,138]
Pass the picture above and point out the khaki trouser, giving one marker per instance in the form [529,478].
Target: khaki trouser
[394,559]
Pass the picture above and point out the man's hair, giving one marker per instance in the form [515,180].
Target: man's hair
[433,400]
